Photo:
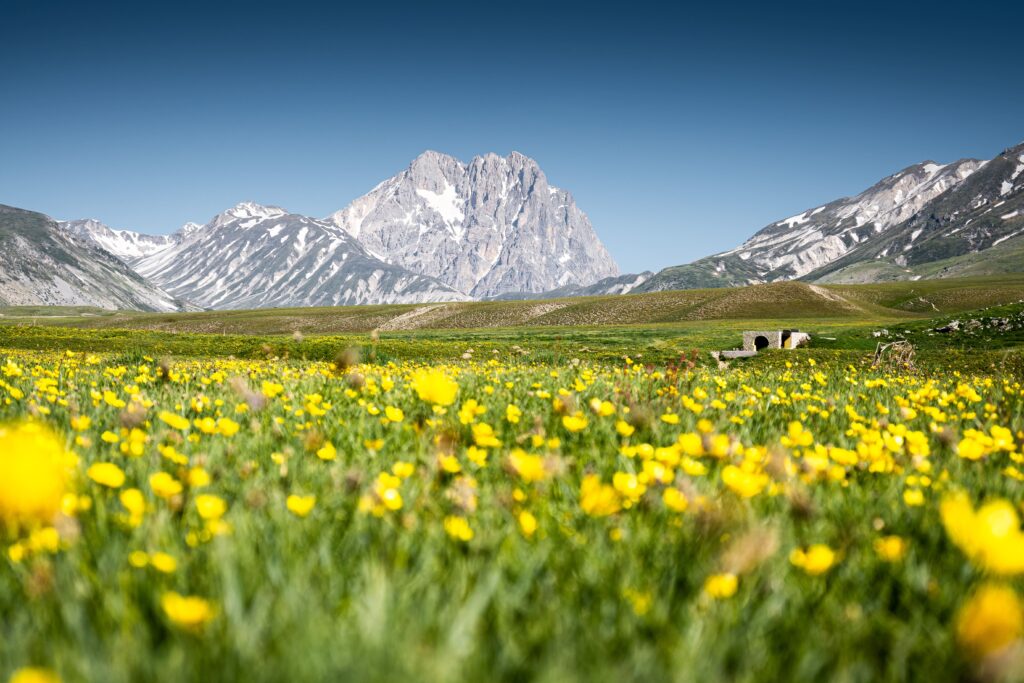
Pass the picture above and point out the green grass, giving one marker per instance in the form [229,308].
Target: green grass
[792,303]
[344,594]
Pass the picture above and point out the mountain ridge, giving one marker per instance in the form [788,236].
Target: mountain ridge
[42,263]
[256,256]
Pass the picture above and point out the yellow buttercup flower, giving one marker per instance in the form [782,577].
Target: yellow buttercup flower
[742,482]
[815,560]
[721,585]
[458,528]
[106,473]
[529,467]
[576,422]
[33,473]
[327,452]
[164,485]
[300,506]
[890,548]
[990,537]
[163,562]
[31,674]
[674,499]
[435,386]
[173,420]
[483,436]
[187,612]
[597,499]
[990,621]
[527,523]
[227,427]
[210,507]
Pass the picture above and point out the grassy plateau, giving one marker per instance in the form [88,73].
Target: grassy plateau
[552,490]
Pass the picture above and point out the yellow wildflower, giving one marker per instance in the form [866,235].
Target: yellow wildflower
[576,422]
[164,485]
[743,483]
[815,560]
[173,420]
[890,548]
[106,473]
[33,472]
[529,467]
[300,506]
[458,528]
[327,452]
[721,585]
[597,499]
[435,386]
[990,621]
[991,537]
[187,612]
[210,507]
[527,523]
[31,674]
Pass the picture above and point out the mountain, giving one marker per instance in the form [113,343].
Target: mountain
[486,228]
[124,244]
[971,229]
[799,245]
[255,256]
[43,264]
[619,284]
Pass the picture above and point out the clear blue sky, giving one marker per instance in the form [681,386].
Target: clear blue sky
[679,131]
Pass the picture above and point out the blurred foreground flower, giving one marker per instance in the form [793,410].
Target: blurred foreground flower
[31,674]
[990,621]
[33,473]
[990,537]
[187,611]
[816,560]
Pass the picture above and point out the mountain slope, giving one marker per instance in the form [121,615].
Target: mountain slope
[619,284]
[254,256]
[42,264]
[960,231]
[124,244]
[486,228]
[793,247]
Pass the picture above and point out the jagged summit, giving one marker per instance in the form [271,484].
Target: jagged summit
[487,227]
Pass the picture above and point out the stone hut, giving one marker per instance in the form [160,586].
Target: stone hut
[774,339]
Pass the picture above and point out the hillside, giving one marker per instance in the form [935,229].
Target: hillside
[43,264]
[971,229]
[787,302]
[928,220]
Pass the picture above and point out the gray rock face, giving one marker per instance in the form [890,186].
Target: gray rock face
[41,263]
[980,213]
[485,228]
[800,244]
[254,256]
[803,244]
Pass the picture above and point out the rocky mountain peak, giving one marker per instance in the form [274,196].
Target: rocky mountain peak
[485,228]
[250,209]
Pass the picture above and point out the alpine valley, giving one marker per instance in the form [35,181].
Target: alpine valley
[494,228]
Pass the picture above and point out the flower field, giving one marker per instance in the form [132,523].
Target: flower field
[504,518]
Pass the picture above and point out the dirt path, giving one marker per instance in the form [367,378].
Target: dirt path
[416,318]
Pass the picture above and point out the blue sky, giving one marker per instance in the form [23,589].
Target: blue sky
[679,131]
